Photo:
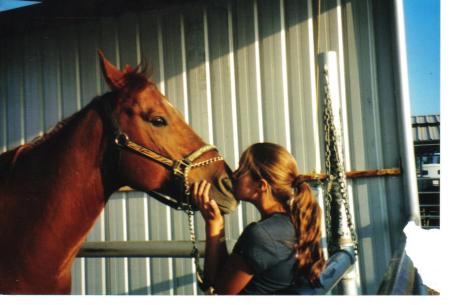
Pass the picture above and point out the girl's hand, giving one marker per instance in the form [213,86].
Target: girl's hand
[208,207]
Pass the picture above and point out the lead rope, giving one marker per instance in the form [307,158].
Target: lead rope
[336,185]
[195,253]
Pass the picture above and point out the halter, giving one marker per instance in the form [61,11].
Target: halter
[180,168]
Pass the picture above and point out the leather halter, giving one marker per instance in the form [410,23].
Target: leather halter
[180,168]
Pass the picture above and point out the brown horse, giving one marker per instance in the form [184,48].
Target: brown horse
[53,189]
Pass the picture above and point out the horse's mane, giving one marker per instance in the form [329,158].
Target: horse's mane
[137,79]
[8,158]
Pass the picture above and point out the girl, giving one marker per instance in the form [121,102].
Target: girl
[280,248]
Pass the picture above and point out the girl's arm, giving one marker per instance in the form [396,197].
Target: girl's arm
[227,274]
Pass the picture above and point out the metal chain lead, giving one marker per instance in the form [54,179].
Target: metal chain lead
[329,181]
[331,144]
[190,212]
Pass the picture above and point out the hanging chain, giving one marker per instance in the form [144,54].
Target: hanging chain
[336,176]
[195,253]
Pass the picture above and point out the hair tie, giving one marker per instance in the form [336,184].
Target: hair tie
[297,184]
[298,181]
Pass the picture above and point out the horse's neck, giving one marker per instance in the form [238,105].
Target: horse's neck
[66,192]
[79,186]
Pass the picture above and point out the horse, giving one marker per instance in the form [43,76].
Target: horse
[53,189]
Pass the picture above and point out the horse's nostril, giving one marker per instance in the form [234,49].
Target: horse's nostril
[226,186]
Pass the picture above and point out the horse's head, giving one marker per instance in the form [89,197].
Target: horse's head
[154,136]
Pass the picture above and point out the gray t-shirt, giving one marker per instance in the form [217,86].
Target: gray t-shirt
[267,248]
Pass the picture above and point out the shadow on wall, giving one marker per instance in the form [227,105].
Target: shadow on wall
[52,17]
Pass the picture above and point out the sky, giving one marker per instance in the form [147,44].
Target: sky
[422,23]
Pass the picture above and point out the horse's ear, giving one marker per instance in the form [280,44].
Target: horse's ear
[112,75]
[127,69]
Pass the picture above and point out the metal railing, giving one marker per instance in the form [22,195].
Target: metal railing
[152,248]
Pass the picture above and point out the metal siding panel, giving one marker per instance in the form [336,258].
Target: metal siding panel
[139,273]
[89,35]
[51,81]
[70,86]
[366,112]
[396,214]
[109,44]
[77,285]
[3,100]
[32,88]
[172,60]
[247,86]
[14,81]
[116,224]
[128,37]
[271,72]
[196,71]
[183,279]
[355,114]
[95,268]
[301,86]
[160,268]
[149,43]
[246,74]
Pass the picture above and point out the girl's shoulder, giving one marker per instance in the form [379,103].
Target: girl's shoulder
[276,227]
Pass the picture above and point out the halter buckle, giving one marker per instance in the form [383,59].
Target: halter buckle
[180,166]
[121,140]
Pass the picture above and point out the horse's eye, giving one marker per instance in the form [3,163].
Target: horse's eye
[158,121]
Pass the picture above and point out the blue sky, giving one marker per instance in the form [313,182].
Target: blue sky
[422,21]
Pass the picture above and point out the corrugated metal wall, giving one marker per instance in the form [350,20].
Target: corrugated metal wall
[241,72]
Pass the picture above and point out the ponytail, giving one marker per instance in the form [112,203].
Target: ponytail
[306,217]
[275,164]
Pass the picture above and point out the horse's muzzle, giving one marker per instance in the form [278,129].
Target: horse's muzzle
[222,192]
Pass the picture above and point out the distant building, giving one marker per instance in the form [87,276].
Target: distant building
[426,133]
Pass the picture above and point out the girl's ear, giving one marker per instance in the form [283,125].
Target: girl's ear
[264,185]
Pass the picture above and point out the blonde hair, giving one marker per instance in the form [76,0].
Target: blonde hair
[278,167]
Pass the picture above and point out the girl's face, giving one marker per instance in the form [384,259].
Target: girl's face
[244,186]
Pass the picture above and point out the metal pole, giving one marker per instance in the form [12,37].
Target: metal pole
[328,61]
[152,248]
[406,137]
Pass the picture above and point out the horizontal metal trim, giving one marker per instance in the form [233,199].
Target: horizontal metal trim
[163,248]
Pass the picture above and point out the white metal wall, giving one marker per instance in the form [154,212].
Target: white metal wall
[241,72]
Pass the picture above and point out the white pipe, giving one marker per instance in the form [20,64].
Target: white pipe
[328,60]
[406,137]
